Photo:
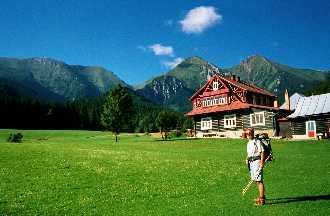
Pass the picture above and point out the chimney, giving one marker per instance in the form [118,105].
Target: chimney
[233,77]
[238,79]
[275,103]
[208,75]
[287,100]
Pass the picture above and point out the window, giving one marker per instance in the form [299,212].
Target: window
[222,100]
[262,100]
[215,85]
[257,118]
[258,100]
[212,101]
[267,101]
[254,99]
[206,123]
[215,101]
[230,121]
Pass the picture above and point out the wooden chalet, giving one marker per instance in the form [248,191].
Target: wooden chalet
[226,106]
[309,117]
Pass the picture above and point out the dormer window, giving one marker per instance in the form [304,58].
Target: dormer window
[215,85]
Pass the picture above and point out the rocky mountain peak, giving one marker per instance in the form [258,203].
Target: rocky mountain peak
[194,60]
[257,63]
[44,60]
[256,60]
[47,63]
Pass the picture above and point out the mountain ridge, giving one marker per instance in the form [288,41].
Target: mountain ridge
[51,79]
[68,82]
[259,70]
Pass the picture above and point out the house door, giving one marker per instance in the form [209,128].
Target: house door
[311,128]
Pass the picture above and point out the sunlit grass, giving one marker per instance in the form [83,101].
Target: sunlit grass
[85,172]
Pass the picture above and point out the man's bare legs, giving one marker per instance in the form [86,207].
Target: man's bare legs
[261,189]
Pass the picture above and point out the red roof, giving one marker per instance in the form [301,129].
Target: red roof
[223,108]
[251,88]
[228,85]
[243,85]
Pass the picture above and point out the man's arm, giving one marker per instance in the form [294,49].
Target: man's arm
[247,154]
[262,154]
[262,160]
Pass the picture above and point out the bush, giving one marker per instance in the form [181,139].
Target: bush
[175,134]
[178,133]
[15,137]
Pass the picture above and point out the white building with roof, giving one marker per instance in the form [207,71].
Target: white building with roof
[310,117]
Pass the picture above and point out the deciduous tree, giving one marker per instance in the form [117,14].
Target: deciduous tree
[117,110]
[165,121]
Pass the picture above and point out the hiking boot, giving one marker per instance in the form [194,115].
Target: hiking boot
[260,201]
[259,198]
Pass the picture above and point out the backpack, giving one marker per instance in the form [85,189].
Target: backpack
[265,143]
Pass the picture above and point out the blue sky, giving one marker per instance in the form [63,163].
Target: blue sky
[138,40]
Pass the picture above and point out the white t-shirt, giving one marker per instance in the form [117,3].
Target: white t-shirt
[254,148]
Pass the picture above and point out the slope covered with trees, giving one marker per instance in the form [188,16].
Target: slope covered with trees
[322,88]
[43,93]
[53,80]
[29,113]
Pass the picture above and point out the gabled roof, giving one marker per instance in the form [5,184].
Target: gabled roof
[202,89]
[240,84]
[313,105]
[230,107]
[294,99]
[251,88]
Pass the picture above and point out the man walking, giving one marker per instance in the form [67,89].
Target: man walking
[255,160]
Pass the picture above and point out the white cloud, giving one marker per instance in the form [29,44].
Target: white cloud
[199,19]
[159,49]
[174,63]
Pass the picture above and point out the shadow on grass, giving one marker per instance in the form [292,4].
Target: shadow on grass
[298,199]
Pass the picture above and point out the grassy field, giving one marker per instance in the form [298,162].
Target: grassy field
[86,173]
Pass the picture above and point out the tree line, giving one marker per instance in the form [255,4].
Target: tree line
[136,113]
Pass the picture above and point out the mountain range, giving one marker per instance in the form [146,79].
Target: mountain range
[50,79]
[187,77]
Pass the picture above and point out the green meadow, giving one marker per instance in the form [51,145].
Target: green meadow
[87,173]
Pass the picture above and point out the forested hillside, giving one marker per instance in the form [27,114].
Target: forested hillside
[22,112]
[53,80]
[322,88]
